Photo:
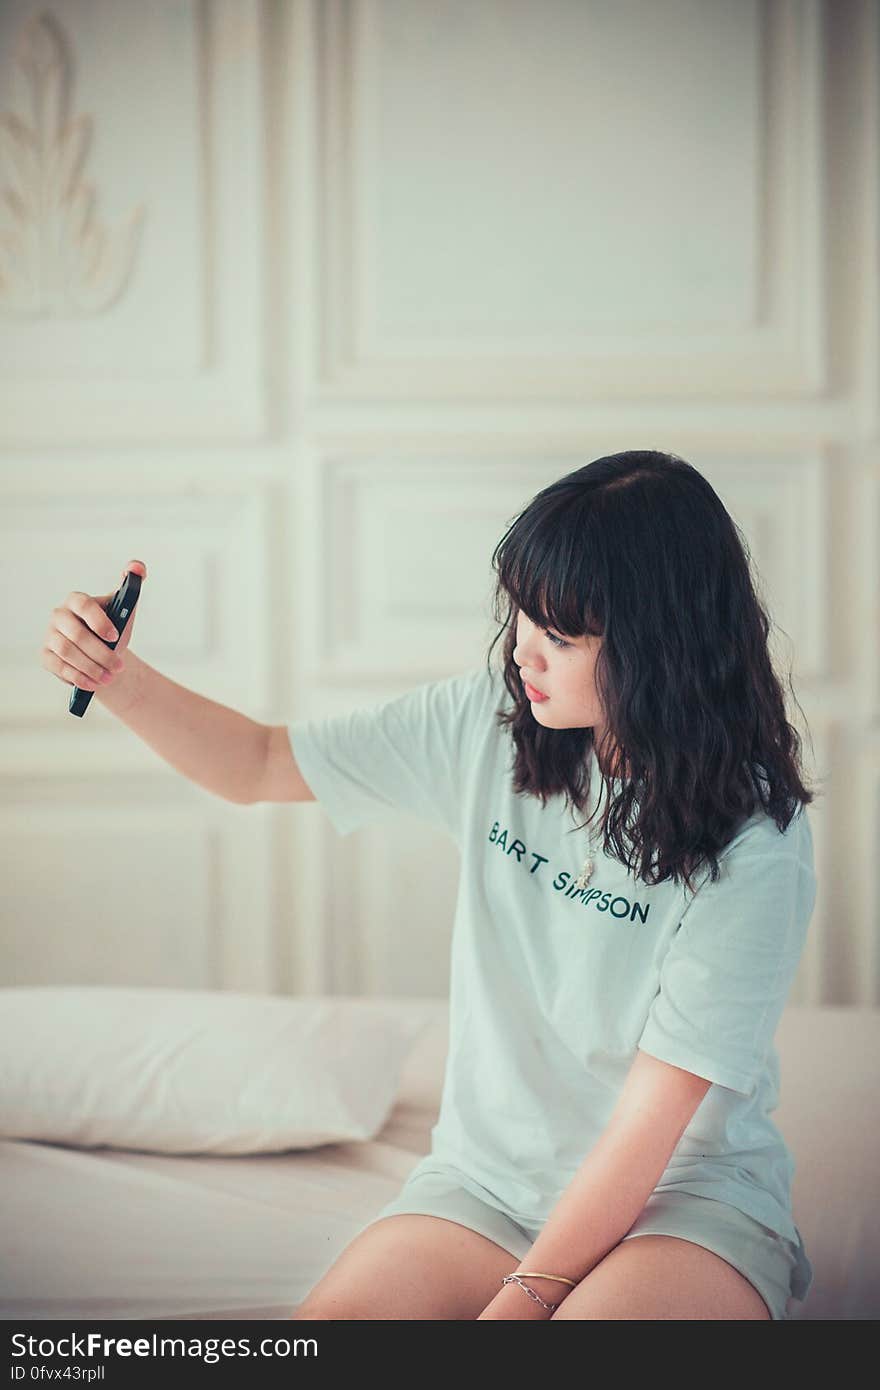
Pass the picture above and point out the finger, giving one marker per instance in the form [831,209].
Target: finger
[93,615]
[60,650]
[71,675]
[71,638]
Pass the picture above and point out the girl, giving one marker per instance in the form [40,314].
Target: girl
[604,1147]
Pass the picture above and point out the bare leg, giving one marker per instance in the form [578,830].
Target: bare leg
[408,1266]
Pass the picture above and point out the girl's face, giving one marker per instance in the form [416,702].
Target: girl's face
[565,673]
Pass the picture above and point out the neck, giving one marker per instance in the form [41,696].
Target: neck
[612,768]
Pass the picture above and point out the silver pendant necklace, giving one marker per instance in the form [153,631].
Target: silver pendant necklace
[585,874]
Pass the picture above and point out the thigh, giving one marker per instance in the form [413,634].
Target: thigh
[411,1266]
[688,1257]
[658,1276]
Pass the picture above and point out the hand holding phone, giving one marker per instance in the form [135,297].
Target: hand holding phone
[81,631]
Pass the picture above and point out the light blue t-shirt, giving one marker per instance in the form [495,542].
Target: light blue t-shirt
[553,989]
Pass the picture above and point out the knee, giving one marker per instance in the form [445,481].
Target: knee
[320,1310]
[310,1313]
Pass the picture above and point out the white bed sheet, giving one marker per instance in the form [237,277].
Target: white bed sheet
[108,1233]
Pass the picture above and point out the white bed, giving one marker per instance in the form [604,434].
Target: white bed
[122,1234]
[107,1233]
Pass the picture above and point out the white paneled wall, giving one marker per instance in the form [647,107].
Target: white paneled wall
[300,302]
[132,299]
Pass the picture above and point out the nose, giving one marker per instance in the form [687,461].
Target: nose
[527,655]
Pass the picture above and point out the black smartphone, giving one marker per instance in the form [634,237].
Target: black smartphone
[119,611]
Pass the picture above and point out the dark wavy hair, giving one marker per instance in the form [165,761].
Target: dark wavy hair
[638,548]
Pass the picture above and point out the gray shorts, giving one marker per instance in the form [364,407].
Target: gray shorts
[778,1269]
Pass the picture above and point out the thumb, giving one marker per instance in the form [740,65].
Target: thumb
[134,567]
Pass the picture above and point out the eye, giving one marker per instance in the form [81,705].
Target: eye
[557,641]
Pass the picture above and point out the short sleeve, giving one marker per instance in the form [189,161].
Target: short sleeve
[409,754]
[727,973]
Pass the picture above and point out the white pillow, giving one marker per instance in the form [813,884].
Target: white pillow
[198,1071]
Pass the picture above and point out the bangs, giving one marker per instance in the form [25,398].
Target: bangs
[545,577]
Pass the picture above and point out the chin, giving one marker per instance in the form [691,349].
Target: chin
[552,719]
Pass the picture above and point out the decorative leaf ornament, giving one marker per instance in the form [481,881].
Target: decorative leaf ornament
[56,259]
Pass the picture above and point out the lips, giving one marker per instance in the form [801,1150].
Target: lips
[529,686]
